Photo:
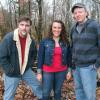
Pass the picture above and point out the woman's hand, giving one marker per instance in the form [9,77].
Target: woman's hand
[69,76]
[39,77]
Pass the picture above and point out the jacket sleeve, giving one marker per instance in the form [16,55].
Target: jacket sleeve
[35,51]
[97,27]
[69,57]
[41,54]
[4,54]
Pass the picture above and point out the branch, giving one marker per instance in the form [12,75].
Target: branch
[96,1]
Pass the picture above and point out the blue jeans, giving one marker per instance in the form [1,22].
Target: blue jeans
[53,81]
[11,84]
[85,82]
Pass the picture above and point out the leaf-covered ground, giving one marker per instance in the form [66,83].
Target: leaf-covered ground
[24,92]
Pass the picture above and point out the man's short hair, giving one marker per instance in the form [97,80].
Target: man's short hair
[24,18]
[78,5]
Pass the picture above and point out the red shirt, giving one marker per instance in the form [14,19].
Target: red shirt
[57,62]
[22,43]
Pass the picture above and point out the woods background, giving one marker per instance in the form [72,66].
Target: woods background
[42,13]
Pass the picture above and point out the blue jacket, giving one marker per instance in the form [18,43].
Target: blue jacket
[46,51]
[9,58]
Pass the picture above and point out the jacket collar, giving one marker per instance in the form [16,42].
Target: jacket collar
[27,47]
[16,37]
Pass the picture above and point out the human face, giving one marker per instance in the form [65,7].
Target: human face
[24,28]
[79,15]
[56,29]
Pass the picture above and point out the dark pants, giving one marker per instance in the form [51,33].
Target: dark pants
[53,80]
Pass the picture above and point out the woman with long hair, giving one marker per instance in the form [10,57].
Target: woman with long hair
[54,58]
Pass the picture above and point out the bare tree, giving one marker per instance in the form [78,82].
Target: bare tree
[39,24]
[96,10]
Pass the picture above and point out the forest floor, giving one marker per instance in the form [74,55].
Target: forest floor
[24,92]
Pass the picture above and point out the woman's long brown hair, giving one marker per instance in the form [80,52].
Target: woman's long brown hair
[63,35]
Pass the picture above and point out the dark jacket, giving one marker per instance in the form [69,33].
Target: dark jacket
[86,44]
[46,51]
[9,59]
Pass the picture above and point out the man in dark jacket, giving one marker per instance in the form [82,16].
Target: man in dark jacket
[85,36]
[17,54]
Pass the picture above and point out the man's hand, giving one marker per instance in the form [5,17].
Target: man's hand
[98,73]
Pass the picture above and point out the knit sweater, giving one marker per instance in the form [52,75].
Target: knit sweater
[86,45]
